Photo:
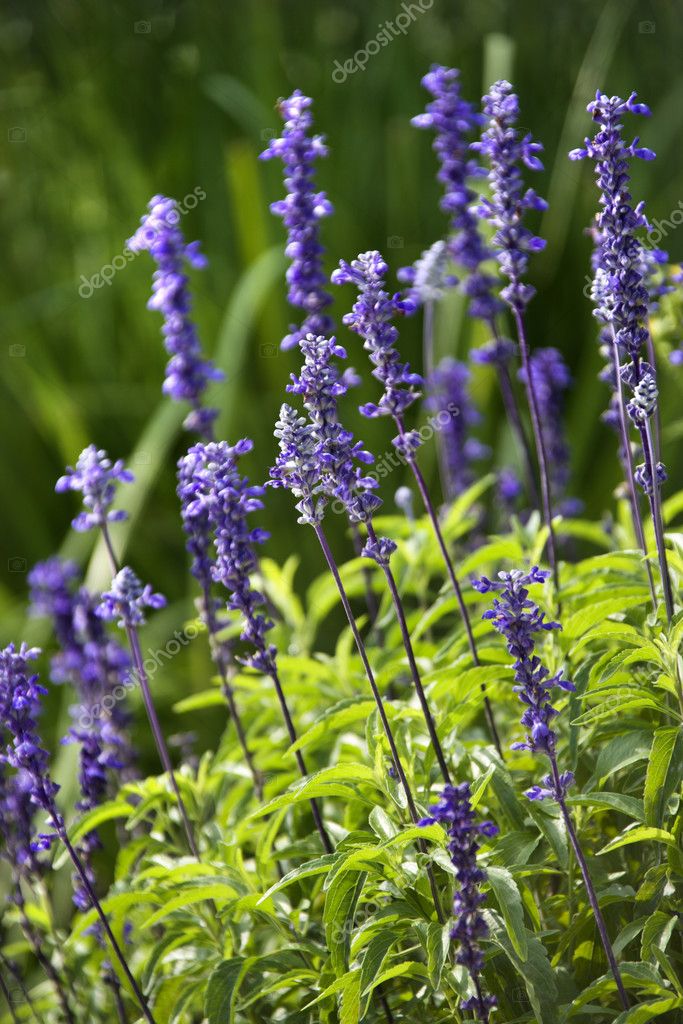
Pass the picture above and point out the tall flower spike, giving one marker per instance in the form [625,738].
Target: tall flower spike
[519,619]
[371,318]
[621,293]
[449,397]
[454,120]
[229,499]
[507,151]
[128,599]
[96,477]
[188,373]
[454,812]
[301,210]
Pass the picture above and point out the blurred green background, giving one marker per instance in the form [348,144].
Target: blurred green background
[105,104]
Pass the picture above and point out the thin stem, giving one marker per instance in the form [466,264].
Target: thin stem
[656,511]
[157,732]
[587,881]
[8,999]
[434,519]
[414,670]
[12,969]
[370,598]
[398,767]
[62,833]
[628,467]
[44,961]
[291,732]
[217,654]
[540,446]
[113,982]
[162,749]
[482,1014]
[517,427]
[652,359]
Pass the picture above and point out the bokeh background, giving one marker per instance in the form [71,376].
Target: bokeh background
[105,104]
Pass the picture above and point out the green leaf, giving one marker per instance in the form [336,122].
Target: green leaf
[507,896]
[438,944]
[199,701]
[317,866]
[641,834]
[219,892]
[537,974]
[644,1012]
[619,802]
[222,989]
[663,746]
[342,714]
[657,932]
[621,752]
[340,907]
[373,961]
[113,810]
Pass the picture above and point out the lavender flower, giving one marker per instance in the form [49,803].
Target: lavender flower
[127,599]
[519,619]
[454,812]
[506,151]
[297,465]
[20,693]
[453,120]
[428,278]
[17,809]
[371,318]
[301,210]
[187,373]
[226,499]
[449,397]
[551,379]
[96,477]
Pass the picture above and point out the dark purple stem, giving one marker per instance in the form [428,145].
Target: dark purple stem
[291,732]
[628,469]
[62,833]
[429,361]
[219,661]
[587,881]
[113,982]
[414,670]
[44,960]
[540,445]
[162,749]
[12,969]
[370,599]
[8,999]
[656,512]
[398,767]
[431,512]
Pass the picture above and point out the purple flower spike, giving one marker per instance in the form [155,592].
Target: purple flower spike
[301,210]
[20,693]
[454,120]
[454,812]
[551,379]
[96,477]
[519,619]
[127,599]
[187,373]
[428,278]
[371,318]
[506,151]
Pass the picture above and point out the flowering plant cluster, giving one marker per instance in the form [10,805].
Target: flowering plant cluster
[358,830]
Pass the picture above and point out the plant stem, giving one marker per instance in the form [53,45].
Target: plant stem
[12,969]
[540,446]
[590,891]
[291,732]
[8,999]
[157,732]
[434,519]
[414,670]
[59,828]
[628,468]
[113,982]
[370,599]
[44,961]
[657,521]
[398,767]
[516,425]
[218,656]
